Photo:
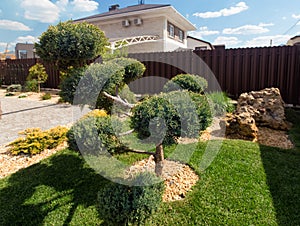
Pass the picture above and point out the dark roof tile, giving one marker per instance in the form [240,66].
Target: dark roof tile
[126,10]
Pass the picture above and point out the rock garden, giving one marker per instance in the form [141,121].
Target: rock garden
[184,156]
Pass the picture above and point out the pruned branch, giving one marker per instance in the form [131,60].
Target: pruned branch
[126,133]
[119,100]
[141,152]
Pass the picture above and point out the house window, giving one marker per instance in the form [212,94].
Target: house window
[180,35]
[171,30]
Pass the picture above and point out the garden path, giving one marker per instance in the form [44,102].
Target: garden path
[19,114]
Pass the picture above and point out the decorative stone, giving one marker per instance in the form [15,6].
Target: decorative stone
[240,126]
[265,106]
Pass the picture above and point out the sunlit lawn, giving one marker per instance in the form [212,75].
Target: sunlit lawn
[246,184]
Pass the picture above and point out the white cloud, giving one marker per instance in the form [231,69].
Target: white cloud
[266,41]
[227,41]
[296,16]
[266,24]
[42,10]
[84,5]
[62,4]
[238,8]
[203,31]
[13,25]
[2,45]
[246,30]
[26,39]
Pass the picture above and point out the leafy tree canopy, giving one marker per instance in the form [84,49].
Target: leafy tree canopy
[71,44]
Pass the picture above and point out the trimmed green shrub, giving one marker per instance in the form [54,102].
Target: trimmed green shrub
[98,78]
[36,140]
[122,205]
[9,94]
[14,88]
[220,103]
[31,86]
[46,96]
[95,113]
[69,84]
[133,68]
[110,77]
[38,73]
[95,134]
[22,96]
[190,82]
[184,113]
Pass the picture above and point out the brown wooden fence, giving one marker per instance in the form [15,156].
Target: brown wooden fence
[16,71]
[232,70]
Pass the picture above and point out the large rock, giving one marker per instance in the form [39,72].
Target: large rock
[240,126]
[265,106]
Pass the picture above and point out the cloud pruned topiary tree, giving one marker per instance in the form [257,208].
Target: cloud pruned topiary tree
[163,118]
[71,44]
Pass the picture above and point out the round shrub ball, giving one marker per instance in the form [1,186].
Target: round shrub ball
[183,113]
[95,134]
[134,69]
[120,204]
[190,82]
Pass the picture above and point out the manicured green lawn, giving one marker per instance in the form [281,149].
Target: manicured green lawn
[247,184]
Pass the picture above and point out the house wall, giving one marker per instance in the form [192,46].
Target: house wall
[24,51]
[192,44]
[173,43]
[114,30]
[294,41]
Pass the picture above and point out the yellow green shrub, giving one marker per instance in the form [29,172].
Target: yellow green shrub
[95,113]
[36,140]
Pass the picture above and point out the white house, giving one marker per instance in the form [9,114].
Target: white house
[294,41]
[199,44]
[144,27]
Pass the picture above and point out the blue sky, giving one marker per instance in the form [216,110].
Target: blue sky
[235,23]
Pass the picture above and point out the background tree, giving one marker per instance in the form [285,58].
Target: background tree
[71,44]
[38,73]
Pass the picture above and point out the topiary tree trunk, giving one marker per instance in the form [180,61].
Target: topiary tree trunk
[159,159]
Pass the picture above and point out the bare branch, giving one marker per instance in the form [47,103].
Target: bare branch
[118,100]
[141,152]
[126,133]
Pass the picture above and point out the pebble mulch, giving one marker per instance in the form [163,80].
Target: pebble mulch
[178,178]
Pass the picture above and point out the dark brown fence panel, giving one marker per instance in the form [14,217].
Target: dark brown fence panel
[16,71]
[236,70]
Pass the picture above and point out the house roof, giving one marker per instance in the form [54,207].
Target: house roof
[125,10]
[295,37]
[142,9]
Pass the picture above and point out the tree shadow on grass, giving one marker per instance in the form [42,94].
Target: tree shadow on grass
[282,168]
[60,184]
